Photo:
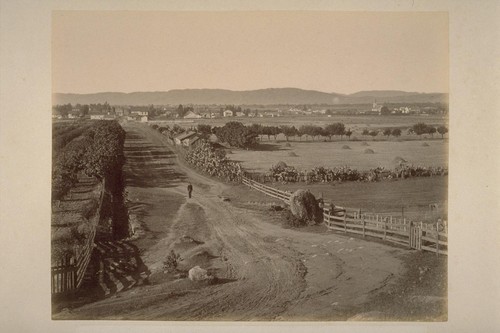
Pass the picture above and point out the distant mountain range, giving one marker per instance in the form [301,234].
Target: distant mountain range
[249,97]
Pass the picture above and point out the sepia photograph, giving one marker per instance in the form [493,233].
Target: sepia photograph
[249,166]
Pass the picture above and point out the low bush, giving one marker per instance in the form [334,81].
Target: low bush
[172,262]
[291,221]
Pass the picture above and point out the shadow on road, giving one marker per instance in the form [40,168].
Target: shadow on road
[148,165]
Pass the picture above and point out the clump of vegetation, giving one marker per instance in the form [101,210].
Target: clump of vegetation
[214,162]
[288,144]
[98,153]
[425,144]
[369,151]
[346,147]
[291,221]
[399,159]
[292,154]
[172,262]
[364,143]
[236,134]
[305,207]
[280,165]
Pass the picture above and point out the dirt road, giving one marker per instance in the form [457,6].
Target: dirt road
[264,272]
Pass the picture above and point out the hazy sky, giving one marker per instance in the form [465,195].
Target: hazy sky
[340,52]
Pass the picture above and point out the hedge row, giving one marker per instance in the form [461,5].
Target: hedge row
[98,152]
[283,173]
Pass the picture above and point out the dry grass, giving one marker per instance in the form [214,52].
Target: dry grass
[389,197]
[331,154]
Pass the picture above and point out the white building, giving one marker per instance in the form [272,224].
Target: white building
[191,115]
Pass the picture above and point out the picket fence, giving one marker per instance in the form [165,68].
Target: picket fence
[67,274]
[401,231]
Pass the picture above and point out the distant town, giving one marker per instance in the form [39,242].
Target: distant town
[176,112]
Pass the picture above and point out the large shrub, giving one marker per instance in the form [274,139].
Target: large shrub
[305,207]
[207,158]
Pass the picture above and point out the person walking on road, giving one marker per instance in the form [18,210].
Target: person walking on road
[190,189]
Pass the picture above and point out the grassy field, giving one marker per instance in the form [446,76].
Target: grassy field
[330,154]
[413,196]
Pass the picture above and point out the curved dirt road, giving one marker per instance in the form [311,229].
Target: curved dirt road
[264,272]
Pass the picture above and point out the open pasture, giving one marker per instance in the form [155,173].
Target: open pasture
[409,197]
[310,154]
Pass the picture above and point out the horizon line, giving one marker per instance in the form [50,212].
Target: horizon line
[325,92]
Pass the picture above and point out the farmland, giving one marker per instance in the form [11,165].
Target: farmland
[353,122]
[306,155]
[409,198]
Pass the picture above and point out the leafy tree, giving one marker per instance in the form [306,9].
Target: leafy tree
[257,129]
[431,130]
[365,132]
[387,132]
[316,131]
[373,134]
[204,130]
[288,131]
[267,130]
[420,128]
[299,134]
[181,111]
[442,130]
[396,132]
[236,134]
[85,110]
[348,133]
[305,130]
[384,111]
[275,131]
[335,129]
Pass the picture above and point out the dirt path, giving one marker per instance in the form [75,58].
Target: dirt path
[264,272]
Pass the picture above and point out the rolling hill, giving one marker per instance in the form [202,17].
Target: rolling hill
[250,97]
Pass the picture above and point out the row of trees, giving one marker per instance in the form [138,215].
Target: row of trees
[63,133]
[423,128]
[312,131]
[238,135]
[98,152]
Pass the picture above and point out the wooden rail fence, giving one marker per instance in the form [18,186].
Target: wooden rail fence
[270,191]
[401,231]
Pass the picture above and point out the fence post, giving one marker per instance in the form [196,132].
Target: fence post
[437,238]
[364,226]
[420,237]
[345,223]
[385,227]
[410,234]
